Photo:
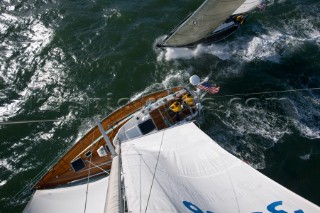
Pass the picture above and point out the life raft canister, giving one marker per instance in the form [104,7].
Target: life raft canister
[176,107]
[188,99]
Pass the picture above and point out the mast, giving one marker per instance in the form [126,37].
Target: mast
[114,200]
[105,137]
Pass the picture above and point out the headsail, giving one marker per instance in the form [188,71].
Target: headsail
[89,198]
[182,169]
[209,16]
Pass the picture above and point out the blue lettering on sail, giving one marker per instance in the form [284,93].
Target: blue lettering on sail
[193,208]
[272,208]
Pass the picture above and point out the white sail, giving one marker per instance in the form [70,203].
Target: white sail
[72,199]
[181,169]
[209,16]
[248,5]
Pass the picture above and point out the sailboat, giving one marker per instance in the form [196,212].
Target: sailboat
[213,21]
[150,156]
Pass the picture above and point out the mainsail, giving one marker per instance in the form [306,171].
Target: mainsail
[181,169]
[209,16]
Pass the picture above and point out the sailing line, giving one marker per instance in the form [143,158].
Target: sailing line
[268,92]
[88,177]
[154,174]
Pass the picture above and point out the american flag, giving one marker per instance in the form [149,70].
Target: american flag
[208,88]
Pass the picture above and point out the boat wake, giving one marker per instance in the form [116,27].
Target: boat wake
[171,79]
[268,47]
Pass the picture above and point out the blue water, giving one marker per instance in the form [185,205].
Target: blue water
[74,60]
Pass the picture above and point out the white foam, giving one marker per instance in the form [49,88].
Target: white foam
[264,123]
[173,78]
[266,47]
[305,157]
[2,183]
[180,53]
[272,2]
[10,8]
[4,17]
[312,131]
[303,111]
[4,163]
[38,37]
[110,13]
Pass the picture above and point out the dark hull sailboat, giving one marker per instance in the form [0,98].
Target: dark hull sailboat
[213,21]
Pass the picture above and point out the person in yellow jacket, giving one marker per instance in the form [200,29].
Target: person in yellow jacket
[188,99]
[176,106]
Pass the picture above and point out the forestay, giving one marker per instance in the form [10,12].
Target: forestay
[72,199]
[183,170]
[209,16]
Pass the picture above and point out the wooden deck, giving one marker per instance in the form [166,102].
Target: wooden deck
[62,171]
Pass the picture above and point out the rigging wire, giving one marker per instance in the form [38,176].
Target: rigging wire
[29,121]
[87,188]
[233,188]
[96,166]
[268,92]
[216,96]
[154,174]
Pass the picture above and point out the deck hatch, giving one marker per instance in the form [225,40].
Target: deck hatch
[78,164]
[147,126]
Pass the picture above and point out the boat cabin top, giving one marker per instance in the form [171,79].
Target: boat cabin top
[161,114]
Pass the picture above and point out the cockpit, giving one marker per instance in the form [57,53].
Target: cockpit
[160,114]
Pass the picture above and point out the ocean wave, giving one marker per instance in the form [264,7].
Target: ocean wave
[36,37]
[247,127]
[305,115]
[263,122]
